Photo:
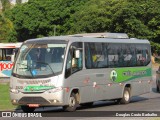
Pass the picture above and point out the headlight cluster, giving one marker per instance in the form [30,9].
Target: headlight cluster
[14,91]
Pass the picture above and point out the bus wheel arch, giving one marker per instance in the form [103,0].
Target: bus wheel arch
[77,93]
[73,101]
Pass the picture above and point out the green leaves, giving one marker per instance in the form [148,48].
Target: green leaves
[39,18]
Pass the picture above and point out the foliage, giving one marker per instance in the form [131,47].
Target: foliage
[5,5]
[6,25]
[39,18]
[155,48]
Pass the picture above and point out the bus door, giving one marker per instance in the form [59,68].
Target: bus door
[95,62]
[75,75]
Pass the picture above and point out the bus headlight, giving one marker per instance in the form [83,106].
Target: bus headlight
[54,90]
[14,91]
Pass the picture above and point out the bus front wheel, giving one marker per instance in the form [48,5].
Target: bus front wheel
[126,96]
[158,88]
[73,103]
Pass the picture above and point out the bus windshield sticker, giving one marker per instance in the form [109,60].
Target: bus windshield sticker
[34,72]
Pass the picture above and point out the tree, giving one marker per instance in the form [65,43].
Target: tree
[5,5]
[5,23]
[94,16]
[138,19]
[39,18]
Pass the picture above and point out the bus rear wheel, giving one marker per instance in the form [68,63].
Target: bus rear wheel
[27,109]
[73,103]
[158,90]
[126,96]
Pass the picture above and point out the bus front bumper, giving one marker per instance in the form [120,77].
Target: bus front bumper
[42,99]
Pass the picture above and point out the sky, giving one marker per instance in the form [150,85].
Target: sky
[14,1]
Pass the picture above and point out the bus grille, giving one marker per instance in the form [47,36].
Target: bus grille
[33,100]
[32,81]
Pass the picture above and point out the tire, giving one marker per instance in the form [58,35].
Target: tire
[27,109]
[73,103]
[117,101]
[126,96]
[87,104]
[158,89]
[157,84]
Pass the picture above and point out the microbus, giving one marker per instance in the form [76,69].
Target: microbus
[80,69]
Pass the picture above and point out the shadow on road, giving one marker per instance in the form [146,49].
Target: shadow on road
[154,90]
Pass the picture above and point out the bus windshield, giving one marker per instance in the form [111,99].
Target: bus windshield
[39,60]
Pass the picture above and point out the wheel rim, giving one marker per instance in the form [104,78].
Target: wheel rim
[126,96]
[72,102]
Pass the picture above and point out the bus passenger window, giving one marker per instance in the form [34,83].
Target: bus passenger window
[0,54]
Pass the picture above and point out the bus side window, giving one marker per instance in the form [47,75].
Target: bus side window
[74,59]
[0,54]
[88,58]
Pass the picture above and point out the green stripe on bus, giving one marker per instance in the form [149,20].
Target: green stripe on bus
[37,88]
[132,73]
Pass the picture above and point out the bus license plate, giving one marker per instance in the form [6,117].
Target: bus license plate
[33,105]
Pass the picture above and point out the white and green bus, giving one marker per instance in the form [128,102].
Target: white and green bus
[75,70]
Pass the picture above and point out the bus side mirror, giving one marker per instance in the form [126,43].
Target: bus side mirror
[77,53]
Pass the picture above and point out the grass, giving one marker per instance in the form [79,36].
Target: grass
[5,103]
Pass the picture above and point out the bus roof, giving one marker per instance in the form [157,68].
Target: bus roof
[10,45]
[92,37]
[102,35]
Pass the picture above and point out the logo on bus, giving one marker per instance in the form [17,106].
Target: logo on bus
[113,75]
[5,66]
